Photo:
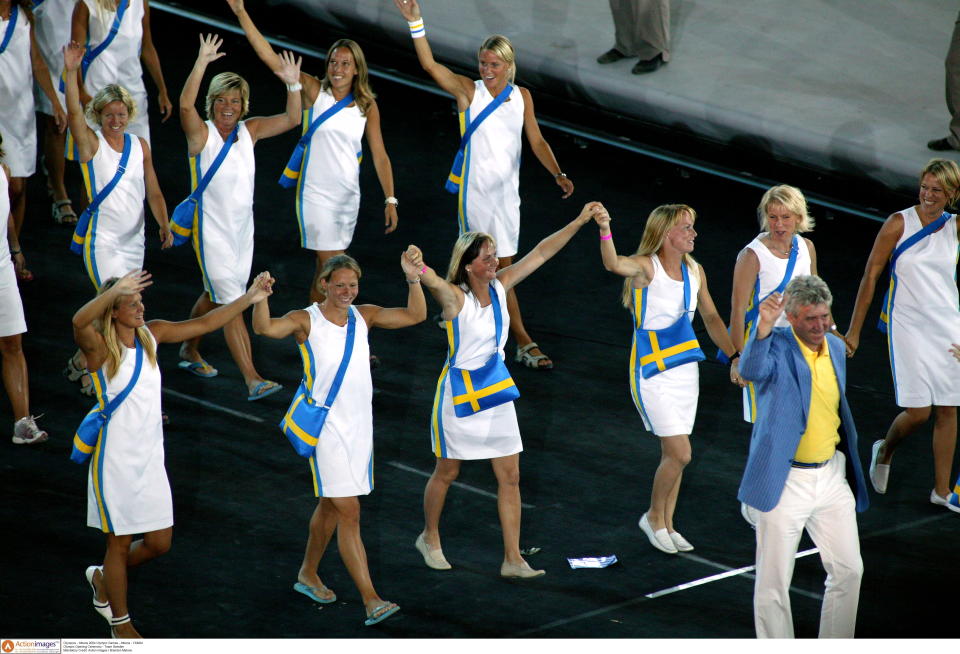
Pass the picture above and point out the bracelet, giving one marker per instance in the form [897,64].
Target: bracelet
[413,281]
[424,269]
[607,237]
[563,175]
[294,87]
[416,28]
[392,200]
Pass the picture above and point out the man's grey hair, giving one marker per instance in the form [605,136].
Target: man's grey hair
[806,290]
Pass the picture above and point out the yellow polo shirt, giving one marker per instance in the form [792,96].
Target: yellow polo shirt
[819,441]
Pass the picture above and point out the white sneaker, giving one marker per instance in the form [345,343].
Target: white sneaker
[26,432]
[951,501]
[879,472]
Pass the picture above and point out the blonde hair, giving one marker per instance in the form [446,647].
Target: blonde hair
[336,263]
[224,82]
[659,222]
[106,95]
[363,95]
[466,249]
[791,198]
[501,46]
[104,324]
[947,174]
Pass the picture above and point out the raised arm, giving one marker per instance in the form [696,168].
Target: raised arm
[150,58]
[158,206]
[174,332]
[83,136]
[540,146]
[545,249]
[458,86]
[883,247]
[85,334]
[755,365]
[265,127]
[311,85]
[449,297]
[79,26]
[295,323]
[711,318]
[415,312]
[381,162]
[193,125]
[632,266]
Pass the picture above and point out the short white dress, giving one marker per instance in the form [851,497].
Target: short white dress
[127,487]
[667,402]
[925,319]
[12,321]
[489,199]
[328,191]
[114,241]
[18,122]
[342,465]
[51,29]
[487,434]
[223,229]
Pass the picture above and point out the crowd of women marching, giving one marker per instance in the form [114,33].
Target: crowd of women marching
[85,56]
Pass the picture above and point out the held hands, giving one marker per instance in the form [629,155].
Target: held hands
[563,182]
[409,9]
[210,49]
[390,218]
[588,212]
[412,262]
[261,288]
[602,218]
[289,71]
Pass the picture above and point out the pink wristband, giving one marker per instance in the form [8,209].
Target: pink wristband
[607,237]
[423,270]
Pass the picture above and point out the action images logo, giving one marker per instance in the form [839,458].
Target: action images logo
[9,646]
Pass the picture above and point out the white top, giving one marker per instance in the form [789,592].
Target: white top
[492,169]
[773,268]
[119,218]
[5,260]
[228,200]
[17,119]
[120,62]
[51,29]
[332,180]
[664,297]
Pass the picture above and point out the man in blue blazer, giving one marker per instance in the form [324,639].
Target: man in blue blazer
[803,471]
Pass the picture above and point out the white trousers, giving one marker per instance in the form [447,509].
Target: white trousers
[820,501]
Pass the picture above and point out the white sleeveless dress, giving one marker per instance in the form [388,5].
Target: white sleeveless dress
[52,31]
[11,307]
[489,198]
[223,231]
[127,487]
[120,62]
[328,191]
[17,119]
[342,465]
[115,240]
[926,319]
[667,402]
[487,434]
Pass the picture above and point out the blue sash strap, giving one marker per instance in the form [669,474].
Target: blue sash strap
[889,296]
[291,173]
[661,349]
[80,233]
[88,433]
[455,178]
[304,418]
[11,26]
[181,222]
[90,55]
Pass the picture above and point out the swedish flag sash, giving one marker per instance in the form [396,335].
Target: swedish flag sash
[304,419]
[455,178]
[92,54]
[662,349]
[80,233]
[11,26]
[888,298]
[291,173]
[181,221]
[489,385]
[93,424]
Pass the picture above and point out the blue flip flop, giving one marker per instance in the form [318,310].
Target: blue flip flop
[311,592]
[199,368]
[373,617]
[255,394]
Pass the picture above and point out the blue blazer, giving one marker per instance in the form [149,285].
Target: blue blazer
[782,378]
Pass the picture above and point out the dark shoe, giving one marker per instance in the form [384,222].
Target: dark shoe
[610,56]
[940,145]
[648,65]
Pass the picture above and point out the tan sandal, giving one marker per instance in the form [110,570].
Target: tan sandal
[63,213]
[532,360]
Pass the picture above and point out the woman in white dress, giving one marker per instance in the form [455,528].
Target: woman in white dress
[119,63]
[328,189]
[12,323]
[127,488]
[922,322]
[474,282]
[762,266]
[223,225]
[489,196]
[20,64]
[342,465]
[653,291]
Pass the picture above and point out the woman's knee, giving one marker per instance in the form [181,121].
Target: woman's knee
[446,471]
[507,471]
[676,450]
[348,510]
[11,346]
[158,542]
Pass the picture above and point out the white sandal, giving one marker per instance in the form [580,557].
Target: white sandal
[116,622]
[532,360]
[63,216]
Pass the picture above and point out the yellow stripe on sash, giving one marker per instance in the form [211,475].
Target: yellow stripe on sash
[182,231]
[659,355]
[291,174]
[435,414]
[80,445]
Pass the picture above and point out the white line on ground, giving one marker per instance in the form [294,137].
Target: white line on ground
[458,484]
[215,407]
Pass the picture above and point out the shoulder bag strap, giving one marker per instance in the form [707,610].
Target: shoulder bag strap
[791,264]
[497,316]
[11,26]
[212,170]
[92,54]
[475,123]
[81,231]
[326,115]
[917,237]
[122,395]
[347,352]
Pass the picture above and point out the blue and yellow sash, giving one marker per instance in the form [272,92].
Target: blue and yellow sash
[455,178]
[93,53]
[294,167]
[185,213]
[80,233]
[11,26]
